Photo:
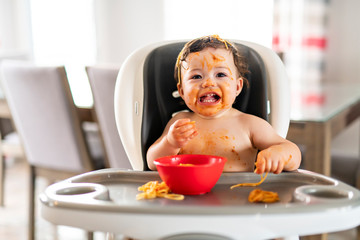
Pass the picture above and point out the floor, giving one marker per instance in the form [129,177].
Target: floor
[13,217]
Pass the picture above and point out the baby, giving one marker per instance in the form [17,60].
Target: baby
[210,74]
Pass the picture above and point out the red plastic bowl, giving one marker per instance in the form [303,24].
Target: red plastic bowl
[198,178]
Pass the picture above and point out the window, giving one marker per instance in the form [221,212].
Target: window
[230,19]
[64,34]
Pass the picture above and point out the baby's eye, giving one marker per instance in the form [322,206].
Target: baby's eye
[221,74]
[196,77]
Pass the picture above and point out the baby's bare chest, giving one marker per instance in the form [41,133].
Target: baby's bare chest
[233,144]
[216,141]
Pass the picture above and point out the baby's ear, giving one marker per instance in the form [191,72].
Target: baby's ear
[180,90]
[239,85]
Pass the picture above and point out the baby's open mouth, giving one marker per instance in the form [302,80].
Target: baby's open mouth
[209,98]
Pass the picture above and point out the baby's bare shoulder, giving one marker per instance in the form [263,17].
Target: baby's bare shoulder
[251,120]
[246,116]
[180,115]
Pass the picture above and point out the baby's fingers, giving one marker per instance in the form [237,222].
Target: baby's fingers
[260,166]
[194,134]
[189,133]
[183,122]
[264,163]
[279,168]
[183,125]
[180,132]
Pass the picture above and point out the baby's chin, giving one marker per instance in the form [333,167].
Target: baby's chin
[212,114]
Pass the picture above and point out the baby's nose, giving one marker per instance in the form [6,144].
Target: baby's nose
[208,83]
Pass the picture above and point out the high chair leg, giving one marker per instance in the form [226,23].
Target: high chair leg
[31,216]
[111,236]
[2,179]
[90,235]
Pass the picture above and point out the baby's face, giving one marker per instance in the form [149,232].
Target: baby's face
[210,82]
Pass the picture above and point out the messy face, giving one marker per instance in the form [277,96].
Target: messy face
[210,82]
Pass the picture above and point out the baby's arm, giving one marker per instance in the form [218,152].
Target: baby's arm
[277,154]
[176,134]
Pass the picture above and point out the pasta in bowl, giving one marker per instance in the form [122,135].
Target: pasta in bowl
[190,174]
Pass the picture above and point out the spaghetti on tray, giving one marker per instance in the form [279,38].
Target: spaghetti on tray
[154,189]
[258,195]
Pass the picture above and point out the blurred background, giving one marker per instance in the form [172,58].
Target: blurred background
[316,39]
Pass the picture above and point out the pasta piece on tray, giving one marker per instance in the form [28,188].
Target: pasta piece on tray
[154,189]
[250,184]
[258,195]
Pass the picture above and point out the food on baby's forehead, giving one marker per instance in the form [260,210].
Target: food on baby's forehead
[155,189]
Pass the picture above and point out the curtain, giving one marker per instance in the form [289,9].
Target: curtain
[299,37]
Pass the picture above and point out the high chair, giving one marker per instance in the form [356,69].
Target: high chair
[145,99]
[146,94]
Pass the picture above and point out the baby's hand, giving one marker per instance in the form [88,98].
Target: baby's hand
[180,132]
[272,159]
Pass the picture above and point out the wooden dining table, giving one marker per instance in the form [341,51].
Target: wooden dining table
[317,119]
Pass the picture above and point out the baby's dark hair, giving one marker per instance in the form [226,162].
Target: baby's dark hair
[213,41]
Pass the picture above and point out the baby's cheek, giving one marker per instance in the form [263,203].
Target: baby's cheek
[228,100]
[190,98]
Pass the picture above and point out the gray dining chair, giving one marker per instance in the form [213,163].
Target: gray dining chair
[10,149]
[102,81]
[48,124]
[10,146]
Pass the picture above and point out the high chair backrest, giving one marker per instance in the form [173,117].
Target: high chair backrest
[146,95]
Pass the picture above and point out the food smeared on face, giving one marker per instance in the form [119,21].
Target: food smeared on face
[209,87]
[209,98]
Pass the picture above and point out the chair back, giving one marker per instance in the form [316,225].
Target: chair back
[146,94]
[45,116]
[102,81]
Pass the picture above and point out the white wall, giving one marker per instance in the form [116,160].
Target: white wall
[249,20]
[123,26]
[8,31]
[15,32]
[343,52]
[343,63]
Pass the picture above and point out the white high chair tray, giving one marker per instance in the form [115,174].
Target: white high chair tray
[105,200]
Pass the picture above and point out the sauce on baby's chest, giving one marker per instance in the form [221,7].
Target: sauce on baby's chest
[211,141]
[234,145]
